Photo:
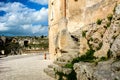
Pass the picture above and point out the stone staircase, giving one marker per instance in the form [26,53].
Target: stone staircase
[59,64]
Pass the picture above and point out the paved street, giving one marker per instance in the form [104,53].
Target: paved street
[24,67]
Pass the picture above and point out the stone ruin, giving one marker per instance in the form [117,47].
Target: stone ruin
[84,39]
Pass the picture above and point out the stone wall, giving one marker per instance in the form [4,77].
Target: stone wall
[78,14]
[89,53]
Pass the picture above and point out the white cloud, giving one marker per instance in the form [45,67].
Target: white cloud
[22,20]
[41,2]
[25,27]
[2,27]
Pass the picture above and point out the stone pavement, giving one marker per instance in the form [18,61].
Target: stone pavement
[24,68]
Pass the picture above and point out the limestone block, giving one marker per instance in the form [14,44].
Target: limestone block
[96,40]
[105,47]
[115,48]
[67,70]
[106,70]
[101,30]
[103,75]
[50,72]
[63,70]
[103,71]
[117,76]
[67,57]
[117,10]
[83,46]
[84,71]
[116,66]
[64,78]
[65,41]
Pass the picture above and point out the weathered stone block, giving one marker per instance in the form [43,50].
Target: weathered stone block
[115,48]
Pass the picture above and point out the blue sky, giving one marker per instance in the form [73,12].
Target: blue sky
[23,17]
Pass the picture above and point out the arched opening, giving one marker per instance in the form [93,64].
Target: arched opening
[26,43]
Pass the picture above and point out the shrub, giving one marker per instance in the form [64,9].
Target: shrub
[71,76]
[12,47]
[88,57]
[109,17]
[99,21]
[100,45]
[91,39]
[115,79]
[108,24]
[61,74]
[84,33]
[69,65]
[103,59]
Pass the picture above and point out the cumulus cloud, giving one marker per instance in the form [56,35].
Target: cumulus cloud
[41,2]
[2,27]
[22,20]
